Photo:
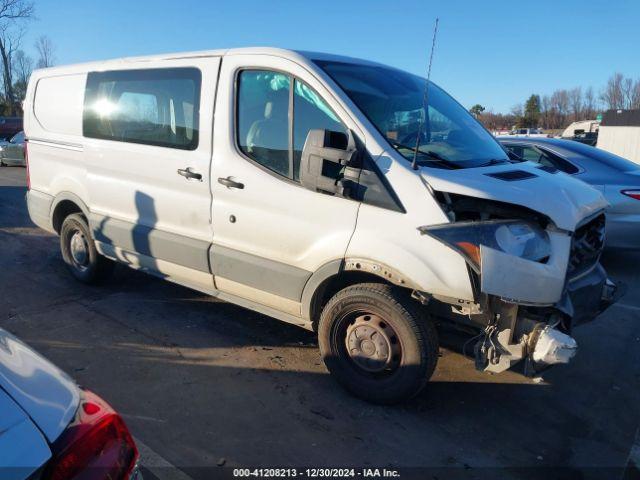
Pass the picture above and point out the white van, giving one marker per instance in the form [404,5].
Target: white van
[289,183]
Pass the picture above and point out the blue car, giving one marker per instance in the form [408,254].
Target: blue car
[617,178]
[52,429]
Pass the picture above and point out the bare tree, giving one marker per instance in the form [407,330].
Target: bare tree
[22,67]
[627,93]
[545,111]
[497,121]
[559,107]
[589,104]
[635,95]
[612,95]
[12,14]
[46,52]
[575,102]
[10,40]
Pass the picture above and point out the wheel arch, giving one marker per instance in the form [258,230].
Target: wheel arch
[64,204]
[341,273]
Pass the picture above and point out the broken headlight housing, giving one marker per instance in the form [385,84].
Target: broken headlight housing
[515,237]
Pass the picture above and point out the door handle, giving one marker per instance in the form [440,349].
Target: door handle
[227,182]
[189,173]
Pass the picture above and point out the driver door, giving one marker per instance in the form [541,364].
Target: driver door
[270,233]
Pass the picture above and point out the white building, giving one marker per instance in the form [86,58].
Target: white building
[620,133]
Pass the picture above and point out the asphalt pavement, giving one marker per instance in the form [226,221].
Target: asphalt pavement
[206,386]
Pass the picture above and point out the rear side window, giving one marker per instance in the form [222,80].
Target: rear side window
[153,107]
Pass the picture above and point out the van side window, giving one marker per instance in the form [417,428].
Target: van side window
[263,118]
[154,106]
[266,132]
[309,112]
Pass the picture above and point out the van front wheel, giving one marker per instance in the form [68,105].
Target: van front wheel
[377,342]
[79,251]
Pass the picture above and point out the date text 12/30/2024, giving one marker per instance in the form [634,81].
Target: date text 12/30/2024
[315,473]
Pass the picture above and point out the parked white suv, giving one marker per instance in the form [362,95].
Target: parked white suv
[288,183]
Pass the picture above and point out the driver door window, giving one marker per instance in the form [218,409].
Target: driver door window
[272,131]
[263,118]
[309,112]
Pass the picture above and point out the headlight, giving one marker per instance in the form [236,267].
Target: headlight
[515,237]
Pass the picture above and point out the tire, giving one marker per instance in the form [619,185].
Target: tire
[79,251]
[393,352]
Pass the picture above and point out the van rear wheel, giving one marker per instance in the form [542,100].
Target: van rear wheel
[79,251]
[377,342]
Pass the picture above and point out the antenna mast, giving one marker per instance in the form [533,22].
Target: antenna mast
[425,97]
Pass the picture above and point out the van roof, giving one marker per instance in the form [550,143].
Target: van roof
[294,55]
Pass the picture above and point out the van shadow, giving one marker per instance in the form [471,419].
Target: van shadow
[147,219]
[140,240]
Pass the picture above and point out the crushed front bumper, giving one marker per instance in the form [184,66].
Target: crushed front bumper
[587,296]
[542,335]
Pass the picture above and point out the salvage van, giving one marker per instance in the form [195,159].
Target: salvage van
[319,190]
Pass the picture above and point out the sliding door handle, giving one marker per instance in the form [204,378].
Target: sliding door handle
[229,183]
[189,173]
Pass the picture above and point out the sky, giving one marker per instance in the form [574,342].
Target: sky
[495,53]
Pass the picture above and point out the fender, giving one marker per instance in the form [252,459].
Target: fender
[68,196]
[322,274]
[351,264]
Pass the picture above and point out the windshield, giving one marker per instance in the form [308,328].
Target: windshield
[394,102]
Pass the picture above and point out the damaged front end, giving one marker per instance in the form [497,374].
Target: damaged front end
[533,281]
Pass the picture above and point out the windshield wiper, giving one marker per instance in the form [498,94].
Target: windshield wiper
[433,155]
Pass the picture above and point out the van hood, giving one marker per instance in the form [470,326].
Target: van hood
[46,394]
[562,198]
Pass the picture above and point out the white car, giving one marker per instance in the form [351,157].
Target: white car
[290,183]
[52,429]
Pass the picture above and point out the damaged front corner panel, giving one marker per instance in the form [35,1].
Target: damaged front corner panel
[525,281]
[379,269]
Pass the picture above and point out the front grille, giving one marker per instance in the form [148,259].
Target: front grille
[586,246]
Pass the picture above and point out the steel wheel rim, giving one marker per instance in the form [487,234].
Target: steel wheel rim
[79,250]
[372,344]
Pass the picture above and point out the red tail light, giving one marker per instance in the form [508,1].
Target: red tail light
[26,161]
[635,194]
[96,446]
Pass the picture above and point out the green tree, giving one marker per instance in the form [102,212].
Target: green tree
[532,112]
[477,110]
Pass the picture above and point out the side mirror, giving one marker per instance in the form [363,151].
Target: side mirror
[324,157]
